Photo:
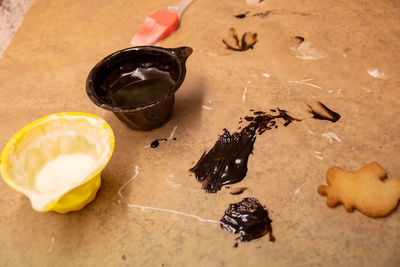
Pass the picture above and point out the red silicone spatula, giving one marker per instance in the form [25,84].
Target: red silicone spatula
[159,24]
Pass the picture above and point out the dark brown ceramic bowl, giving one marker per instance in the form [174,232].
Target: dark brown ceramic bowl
[146,114]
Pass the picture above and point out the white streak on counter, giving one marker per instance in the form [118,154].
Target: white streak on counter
[377,74]
[130,180]
[306,83]
[144,208]
[318,155]
[308,130]
[306,52]
[171,182]
[266,75]
[297,191]
[244,95]
[253,2]
[51,245]
[207,107]
[366,89]
[331,136]
[171,136]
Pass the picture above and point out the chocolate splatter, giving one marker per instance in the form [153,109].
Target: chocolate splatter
[325,114]
[238,191]
[123,257]
[248,41]
[156,142]
[226,162]
[301,13]
[299,39]
[249,219]
[242,16]
[262,14]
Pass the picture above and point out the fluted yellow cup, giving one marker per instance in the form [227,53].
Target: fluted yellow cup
[56,161]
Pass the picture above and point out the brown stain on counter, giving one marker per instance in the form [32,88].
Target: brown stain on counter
[248,40]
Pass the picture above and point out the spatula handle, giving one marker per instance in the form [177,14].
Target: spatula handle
[180,7]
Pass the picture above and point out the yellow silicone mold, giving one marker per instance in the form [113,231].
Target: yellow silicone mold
[57,160]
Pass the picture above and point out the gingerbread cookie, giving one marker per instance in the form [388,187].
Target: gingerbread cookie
[362,189]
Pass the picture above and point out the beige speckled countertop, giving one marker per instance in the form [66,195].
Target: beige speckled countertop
[44,71]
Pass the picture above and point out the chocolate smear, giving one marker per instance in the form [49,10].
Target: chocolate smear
[262,14]
[242,16]
[248,41]
[299,39]
[238,191]
[301,13]
[226,162]
[325,113]
[249,219]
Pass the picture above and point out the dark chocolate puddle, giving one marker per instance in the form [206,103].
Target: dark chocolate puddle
[249,219]
[226,162]
[327,113]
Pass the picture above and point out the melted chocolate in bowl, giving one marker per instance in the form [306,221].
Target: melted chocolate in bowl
[138,84]
[139,87]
